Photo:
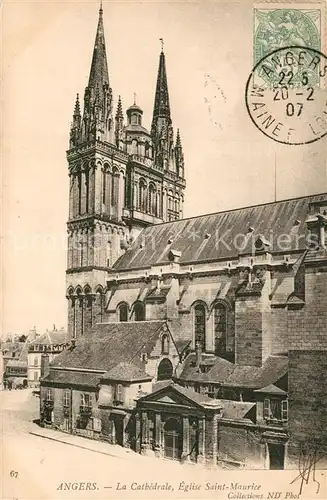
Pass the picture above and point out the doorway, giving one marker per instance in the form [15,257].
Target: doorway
[165,369]
[173,439]
[119,430]
[276,456]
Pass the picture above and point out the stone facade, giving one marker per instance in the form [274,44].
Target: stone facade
[122,178]
[242,295]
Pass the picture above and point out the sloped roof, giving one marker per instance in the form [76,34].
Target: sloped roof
[189,235]
[126,372]
[110,344]
[11,347]
[54,337]
[271,389]
[221,369]
[235,410]
[251,377]
[17,363]
[230,375]
[69,377]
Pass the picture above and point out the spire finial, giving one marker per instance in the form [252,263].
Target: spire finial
[162,43]
[134,98]
[77,110]
[101,9]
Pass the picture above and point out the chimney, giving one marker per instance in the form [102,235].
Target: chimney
[198,354]
[45,365]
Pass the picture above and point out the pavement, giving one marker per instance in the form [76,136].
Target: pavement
[44,464]
[87,444]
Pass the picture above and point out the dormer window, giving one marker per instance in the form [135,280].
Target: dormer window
[275,409]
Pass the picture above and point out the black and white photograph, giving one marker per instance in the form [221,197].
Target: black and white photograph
[164,250]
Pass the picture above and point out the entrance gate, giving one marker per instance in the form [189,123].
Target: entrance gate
[173,439]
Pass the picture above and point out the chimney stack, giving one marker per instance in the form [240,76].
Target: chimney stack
[198,354]
[45,365]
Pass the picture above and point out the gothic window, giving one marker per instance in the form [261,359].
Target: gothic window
[152,200]
[79,193]
[134,147]
[114,187]
[104,186]
[81,253]
[87,184]
[200,324]
[165,344]
[139,312]
[123,312]
[100,299]
[220,327]
[142,195]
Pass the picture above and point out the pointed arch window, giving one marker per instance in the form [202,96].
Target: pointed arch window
[152,200]
[123,313]
[139,312]
[79,193]
[142,195]
[200,325]
[220,327]
[165,344]
[104,186]
[87,189]
[114,187]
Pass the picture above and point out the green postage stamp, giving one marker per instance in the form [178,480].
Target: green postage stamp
[280,25]
[275,28]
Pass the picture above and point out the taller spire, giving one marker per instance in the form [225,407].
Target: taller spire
[99,67]
[161,111]
[97,121]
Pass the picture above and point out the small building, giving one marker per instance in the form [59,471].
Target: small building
[15,364]
[90,383]
[52,343]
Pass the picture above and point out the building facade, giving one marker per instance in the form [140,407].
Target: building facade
[52,343]
[122,178]
[200,339]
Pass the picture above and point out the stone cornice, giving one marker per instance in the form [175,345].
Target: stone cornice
[86,269]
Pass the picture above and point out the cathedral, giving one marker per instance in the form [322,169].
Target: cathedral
[203,339]
[123,178]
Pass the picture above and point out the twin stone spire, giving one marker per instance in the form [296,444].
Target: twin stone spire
[97,122]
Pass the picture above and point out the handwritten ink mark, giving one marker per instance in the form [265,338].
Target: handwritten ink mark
[307,469]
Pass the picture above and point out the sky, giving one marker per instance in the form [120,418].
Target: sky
[46,56]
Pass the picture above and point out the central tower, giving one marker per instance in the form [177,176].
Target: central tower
[122,178]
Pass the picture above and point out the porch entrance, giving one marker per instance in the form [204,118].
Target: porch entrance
[173,439]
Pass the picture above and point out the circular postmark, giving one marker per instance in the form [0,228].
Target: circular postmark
[286,95]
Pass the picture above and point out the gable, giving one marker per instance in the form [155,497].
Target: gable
[157,347]
[169,396]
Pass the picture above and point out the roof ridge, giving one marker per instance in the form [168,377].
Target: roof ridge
[238,208]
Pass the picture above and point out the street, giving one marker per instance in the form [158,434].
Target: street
[47,464]
[38,468]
